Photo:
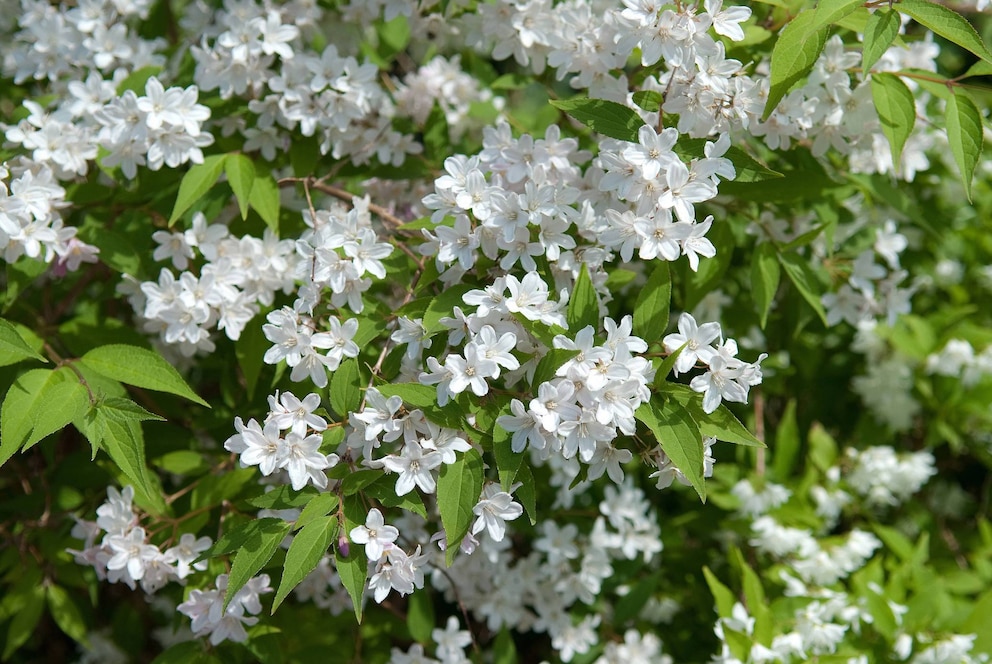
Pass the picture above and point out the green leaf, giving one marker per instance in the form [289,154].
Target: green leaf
[583,304]
[441,306]
[135,82]
[23,624]
[308,547]
[420,616]
[526,493]
[980,68]
[249,348]
[437,140]
[805,280]
[385,493]
[17,414]
[548,365]
[947,23]
[965,136]
[747,169]
[139,367]
[61,403]
[254,554]
[359,479]
[346,388]
[651,309]
[125,445]
[822,447]
[234,538]
[793,56]
[507,461]
[283,497]
[353,568]
[66,613]
[264,199]
[605,117]
[722,425]
[896,111]
[504,650]
[679,437]
[880,32]
[787,443]
[831,11]
[649,100]
[319,506]
[198,181]
[393,36]
[241,176]
[665,367]
[459,487]
[765,276]
[543,333]
[511,82]
[725,599]
[13,347]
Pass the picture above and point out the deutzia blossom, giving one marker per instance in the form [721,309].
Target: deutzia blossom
[494,508]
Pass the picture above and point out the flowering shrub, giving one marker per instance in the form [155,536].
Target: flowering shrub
[449,331]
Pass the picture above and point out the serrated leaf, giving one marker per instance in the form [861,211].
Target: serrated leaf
[254,554]
[283,497]
[651,309]
[526,493]
[583,304]
[805,280]
[880,32]
[543,333]
[346,388]
[822,447]
[649,100]
[66,613]
[199,179]
[13,347]
[62,403]
[831,11]
[353,568]
[139,367]
[896,111]
[605,117]
[308,547]
[459,487]
[679,437]
[249,349]
[765,276]
[264,199]
[135,81]
[241,176]
[947,23]
[17,413]
[725,599]
[385,493]
[965,136]
[793,56]
[724,425]
[319,506]
[747,169]
[124,443]
[234,538]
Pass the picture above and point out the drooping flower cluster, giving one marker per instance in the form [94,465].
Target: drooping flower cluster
[205,608]
[296,452]
[125,555]
[237,275]
[727,378]
[30,223]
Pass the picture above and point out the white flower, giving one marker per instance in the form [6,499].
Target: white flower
[494,509]
[375,535]
[697,340]
[414,467]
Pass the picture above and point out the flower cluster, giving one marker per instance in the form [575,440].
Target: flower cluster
[297,452]
[205,608]
[125,555]
[727,377]
[238,274]
[30,223]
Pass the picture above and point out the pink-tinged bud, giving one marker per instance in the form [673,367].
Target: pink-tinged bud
[344,546]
